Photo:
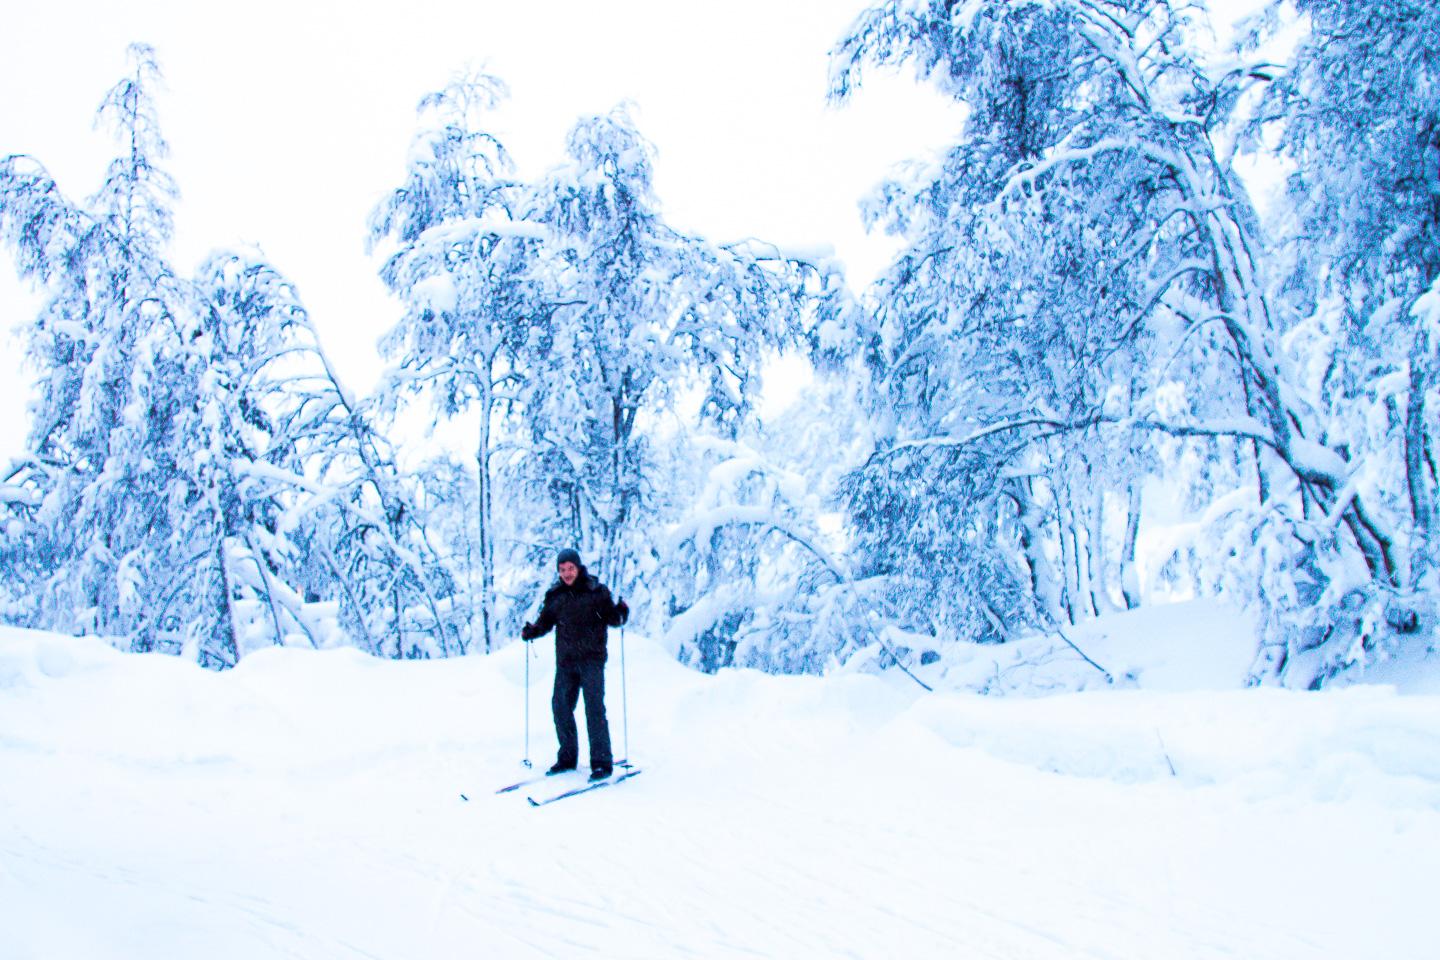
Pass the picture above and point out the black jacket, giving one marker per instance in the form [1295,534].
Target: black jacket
[579,615]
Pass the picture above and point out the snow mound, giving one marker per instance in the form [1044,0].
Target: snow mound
[1197,645]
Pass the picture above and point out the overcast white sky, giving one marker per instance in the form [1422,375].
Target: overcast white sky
[289,120]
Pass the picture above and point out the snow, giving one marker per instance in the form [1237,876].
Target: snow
[13,493]
[307,804]
[821,256]
[439,293]
[468,229]
[1196,645]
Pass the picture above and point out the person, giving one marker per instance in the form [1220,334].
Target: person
[579,609]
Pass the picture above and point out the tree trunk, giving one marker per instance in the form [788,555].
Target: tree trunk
[1129,571]
[1419,475]
[1045,583]
[229,643]
[1098,565]
[1069,560]
[484,507]
[622,490]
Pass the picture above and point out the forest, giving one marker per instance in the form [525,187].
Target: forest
[1163,325]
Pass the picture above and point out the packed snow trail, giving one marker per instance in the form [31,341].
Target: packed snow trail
[307,805]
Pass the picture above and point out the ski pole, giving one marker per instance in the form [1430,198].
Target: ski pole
[527,704]
[624,697]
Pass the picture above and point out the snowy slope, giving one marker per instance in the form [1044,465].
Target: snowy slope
[306,805]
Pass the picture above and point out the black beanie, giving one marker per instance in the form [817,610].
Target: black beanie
[568,556]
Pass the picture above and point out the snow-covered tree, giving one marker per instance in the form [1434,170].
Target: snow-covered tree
[111,343]
[191,459]
[1084,274]
[459,260]
[641,318]
[330,533]
[1008,316]
[1361,139]
[752,568]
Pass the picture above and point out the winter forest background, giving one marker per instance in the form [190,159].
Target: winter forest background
[1163,325]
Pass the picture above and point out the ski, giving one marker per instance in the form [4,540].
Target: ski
[586,788]
[511,788]
[523,783]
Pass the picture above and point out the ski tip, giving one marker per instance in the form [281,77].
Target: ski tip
[532,801]
[465,798]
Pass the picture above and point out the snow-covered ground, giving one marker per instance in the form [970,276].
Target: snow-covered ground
[306,805]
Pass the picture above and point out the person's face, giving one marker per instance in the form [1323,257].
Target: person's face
[568,572]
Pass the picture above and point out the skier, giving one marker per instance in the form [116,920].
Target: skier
[579,608]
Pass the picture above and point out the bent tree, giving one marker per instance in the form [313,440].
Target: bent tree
[1085,283]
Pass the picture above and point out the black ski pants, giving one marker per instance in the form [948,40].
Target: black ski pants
[571,679]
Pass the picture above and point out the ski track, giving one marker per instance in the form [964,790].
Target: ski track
[776,818]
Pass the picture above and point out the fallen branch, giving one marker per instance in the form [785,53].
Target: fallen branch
[1071,643]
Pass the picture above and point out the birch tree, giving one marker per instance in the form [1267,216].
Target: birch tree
[459,259]
[1116,137]
[641,315]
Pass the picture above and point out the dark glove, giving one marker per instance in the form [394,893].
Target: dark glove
[622,611]
[528,632]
